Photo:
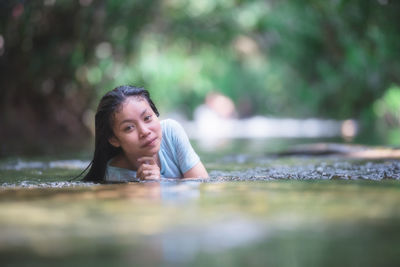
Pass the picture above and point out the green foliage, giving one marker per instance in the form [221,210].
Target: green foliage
[389,105]
[329,58]
[387,110]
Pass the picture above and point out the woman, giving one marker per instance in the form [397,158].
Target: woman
[132,144]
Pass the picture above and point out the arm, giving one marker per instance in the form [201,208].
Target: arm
[198,171]
[186,158]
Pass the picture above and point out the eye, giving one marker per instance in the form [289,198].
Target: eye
[129,128]
[147,118]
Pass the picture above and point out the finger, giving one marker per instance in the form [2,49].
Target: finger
[140,173]
[148,173]
[152,177]
[146,167]
[152,172]
[140,176]
[147,160]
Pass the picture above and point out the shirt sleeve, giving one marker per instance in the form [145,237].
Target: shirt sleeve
[186,156]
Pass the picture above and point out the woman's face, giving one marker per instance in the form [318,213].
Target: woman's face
[136,128]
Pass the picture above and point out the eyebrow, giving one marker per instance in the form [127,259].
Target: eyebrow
[129,120]
[143,112]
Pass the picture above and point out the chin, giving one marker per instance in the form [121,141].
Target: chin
[151,152]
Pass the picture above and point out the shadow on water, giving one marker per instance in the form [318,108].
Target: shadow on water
[254,210]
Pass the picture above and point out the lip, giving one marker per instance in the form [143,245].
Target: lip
[150,142]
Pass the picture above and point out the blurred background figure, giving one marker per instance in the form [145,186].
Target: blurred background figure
[213,119]
[349,129]
[216,124]
[221,105]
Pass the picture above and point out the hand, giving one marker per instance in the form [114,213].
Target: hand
[148,169]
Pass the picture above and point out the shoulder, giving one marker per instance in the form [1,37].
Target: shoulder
[170,123]
[177,146]
[171,127]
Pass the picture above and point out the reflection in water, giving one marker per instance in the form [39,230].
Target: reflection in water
[178,192]
[156,213]
[194,222]
[254,210]
[183,244]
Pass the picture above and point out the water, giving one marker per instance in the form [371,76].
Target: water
[256,210]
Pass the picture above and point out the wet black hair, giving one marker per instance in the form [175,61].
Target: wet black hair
[108,105]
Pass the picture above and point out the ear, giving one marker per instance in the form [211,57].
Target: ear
[114,141]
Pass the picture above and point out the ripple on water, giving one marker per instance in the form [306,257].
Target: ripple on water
[323,171]
[300,170]
[32,184]
[41,174]
[62,164]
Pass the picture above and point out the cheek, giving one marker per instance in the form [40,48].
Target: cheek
[128,139]
[155,126]
[158,129]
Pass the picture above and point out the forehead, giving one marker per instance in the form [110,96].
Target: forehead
[131,107]
[134,101]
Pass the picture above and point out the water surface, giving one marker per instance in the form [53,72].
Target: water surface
[254,210]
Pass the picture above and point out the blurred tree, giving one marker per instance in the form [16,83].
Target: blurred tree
[284,58]
[53,56]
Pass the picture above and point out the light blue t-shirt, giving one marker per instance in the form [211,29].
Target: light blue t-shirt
[176,155]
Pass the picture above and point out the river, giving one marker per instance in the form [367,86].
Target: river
[257,209]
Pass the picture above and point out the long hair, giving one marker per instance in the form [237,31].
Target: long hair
[103,150]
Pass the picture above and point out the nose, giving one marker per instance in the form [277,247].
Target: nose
[144,131]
